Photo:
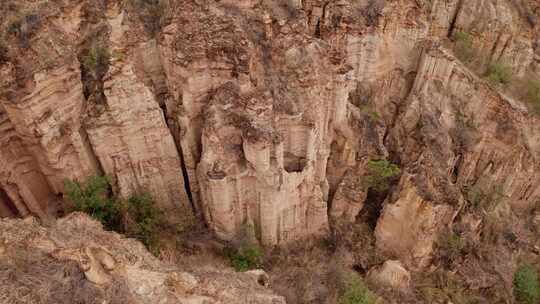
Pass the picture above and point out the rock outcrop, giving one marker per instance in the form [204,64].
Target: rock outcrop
[69,135]
[265,114]
[391,274]
[76,261]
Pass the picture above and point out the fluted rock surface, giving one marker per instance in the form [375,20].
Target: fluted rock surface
[265,114]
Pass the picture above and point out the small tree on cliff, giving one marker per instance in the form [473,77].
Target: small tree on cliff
[380,174]
[96,61]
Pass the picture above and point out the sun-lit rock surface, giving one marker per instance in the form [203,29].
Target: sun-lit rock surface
[76,261]
[266,113]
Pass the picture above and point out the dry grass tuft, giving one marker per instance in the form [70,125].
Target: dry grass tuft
[34,277]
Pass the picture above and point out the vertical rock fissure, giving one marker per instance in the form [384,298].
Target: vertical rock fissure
[332,188]
[455,169]
[318,29]
[187,186]
[401,106]
[454,18]
[94,60]
[94,66]
[7,206]
[91,151]
[373,207]
[174,129]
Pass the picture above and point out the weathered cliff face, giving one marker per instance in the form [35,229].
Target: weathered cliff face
[75,261]
[265,114]
[501,31]
[68,132]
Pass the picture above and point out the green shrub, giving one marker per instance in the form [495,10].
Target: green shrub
[451,245]
[499,73]
[474,195]
[380,174]
[144,219]
[371,112]
[464,46]
[136,217]
[245,253]
[92,197]
[483,200]
[245,258]
[526,285]
[533,94]
[356,292]
[443,286]
[96,60]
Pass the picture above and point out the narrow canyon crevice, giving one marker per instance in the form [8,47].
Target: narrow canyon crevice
[7,208]
[454,17]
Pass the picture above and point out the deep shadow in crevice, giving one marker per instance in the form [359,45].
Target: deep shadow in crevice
[175,131]
[358,268]
[454,19]
[372,208]
[185,174]
[7,206]
[318,29]
[293,163]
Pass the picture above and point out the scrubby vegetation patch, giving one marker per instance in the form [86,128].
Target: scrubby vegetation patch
[464,48]
[96,60]
[245,258]
[245,254]
[137,216]
[499,73]
[380,174]
[533,95]
[526,285]
[356,292]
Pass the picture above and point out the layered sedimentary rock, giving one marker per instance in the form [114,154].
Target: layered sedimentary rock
[255,152]
[500,30]
[70,137]
[391,274]
[24,189]
[458,133]
[129,133]
[75,260]
[265,114]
